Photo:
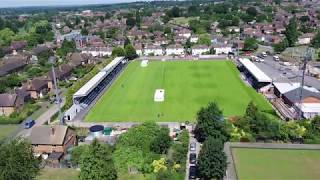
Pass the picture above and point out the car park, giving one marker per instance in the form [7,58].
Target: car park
[192,158]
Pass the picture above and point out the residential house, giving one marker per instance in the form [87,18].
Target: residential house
[97,51]
[194,39]
[62,72]
[9,103]
[184,32]
[153,50]
[37,87]
[18,45]
[78,59]
[305,38]
[200,49]
[139,50]
[53,140]
[175,49]
[222,48]
[235,29]
[13,64]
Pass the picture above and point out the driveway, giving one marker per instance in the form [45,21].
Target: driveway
[198,147]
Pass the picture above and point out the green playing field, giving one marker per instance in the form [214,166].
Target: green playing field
[276,164]
[188,86]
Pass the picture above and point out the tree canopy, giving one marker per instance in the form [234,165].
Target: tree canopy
[210,122]
[292,32]
[97,163]
[17,160]
[118,51]
[212,161]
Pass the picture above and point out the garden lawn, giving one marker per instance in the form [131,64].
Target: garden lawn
[58,174]
[275,164]
[6,130]
[188,85]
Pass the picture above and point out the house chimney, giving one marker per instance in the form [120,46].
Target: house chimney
[52,130]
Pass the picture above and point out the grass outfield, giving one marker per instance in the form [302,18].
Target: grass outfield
[58,174]
[188,86]
[275,164]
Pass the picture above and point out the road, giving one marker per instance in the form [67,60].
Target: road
[198,147]
[42,119]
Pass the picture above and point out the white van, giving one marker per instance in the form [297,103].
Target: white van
[276,58]
[264,54]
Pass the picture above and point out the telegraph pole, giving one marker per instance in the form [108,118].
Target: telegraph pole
[52,60]
[307,58]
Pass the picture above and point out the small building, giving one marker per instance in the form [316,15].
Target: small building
[97,51]
[78,59]
[176,49]
[194,39]
[47,139]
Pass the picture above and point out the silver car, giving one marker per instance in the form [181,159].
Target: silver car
[193,146]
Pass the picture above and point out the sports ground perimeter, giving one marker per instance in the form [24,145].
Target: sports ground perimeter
[188,85]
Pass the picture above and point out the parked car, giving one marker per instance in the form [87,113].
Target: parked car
[276,58]
[192,172]
[264,54]
[29,123]
[193,146]
[192,158]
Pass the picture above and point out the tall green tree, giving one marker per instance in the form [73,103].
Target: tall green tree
[138,18]
[250,44]
[131,22]
[66,47]
[17,160]
[118,51]
[292,32]
[210,122]
[130,52]
[161,142]
[97,163]
[212,161]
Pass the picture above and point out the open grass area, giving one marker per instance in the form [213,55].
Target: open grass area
[275,164]
[58,174]
[184,21]
[188,85]
[6,130]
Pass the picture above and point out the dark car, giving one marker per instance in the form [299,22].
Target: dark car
[29,123]
[192,172]
[192,158]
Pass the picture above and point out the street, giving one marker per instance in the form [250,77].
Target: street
[198,147]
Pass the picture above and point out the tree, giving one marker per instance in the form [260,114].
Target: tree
[281,46]
[252,11]
[84,31]
[304,19]
[138,18]
[77,153]
[250,44]
[131,22]
[167,30]
[17,160]
[205,39]
[66,47]
[97,163]
[291,32]
[6,36]
[162,142]
[126,41]
[118,51]
[130,52]
[210,122]
[212,161]
[315,42]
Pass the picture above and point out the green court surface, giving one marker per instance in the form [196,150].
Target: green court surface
[188,86]
[276,164]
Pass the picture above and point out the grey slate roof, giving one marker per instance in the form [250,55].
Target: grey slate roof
[294,95]
[48,135]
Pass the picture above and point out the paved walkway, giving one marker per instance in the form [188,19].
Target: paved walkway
[231,173]
[117,124]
